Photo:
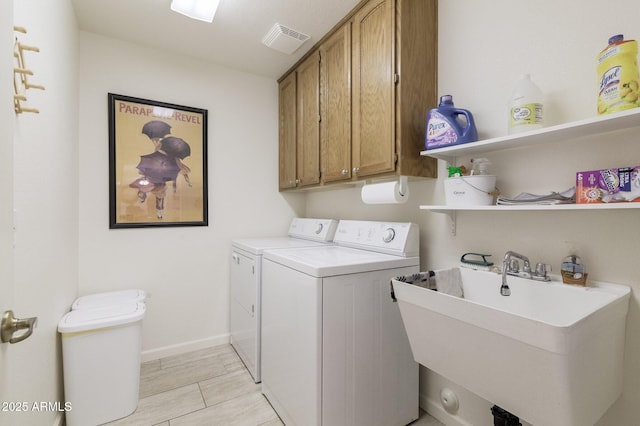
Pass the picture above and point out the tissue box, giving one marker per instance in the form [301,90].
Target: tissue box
[608,185]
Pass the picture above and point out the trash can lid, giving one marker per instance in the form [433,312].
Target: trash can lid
[101,317]
[109,298]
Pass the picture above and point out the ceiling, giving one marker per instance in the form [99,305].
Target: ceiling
[234,39]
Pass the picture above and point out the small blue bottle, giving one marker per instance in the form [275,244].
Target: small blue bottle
[448,125]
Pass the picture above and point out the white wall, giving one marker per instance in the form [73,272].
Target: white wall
[185,269]
[6,180]
[483,48]
[45,201]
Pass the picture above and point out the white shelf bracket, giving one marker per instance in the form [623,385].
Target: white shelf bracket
[451,161]
[451,214]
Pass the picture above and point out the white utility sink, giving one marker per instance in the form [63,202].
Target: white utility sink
[550,353]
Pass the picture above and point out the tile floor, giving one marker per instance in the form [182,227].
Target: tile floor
[209,387]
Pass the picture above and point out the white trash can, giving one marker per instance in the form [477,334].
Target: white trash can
[101,362]
[109,298]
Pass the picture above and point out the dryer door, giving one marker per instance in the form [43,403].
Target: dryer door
[243,282]
[244,310]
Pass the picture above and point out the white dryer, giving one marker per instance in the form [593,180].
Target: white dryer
[245,277]
[334,348]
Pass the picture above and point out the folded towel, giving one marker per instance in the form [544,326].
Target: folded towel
[421,279]
[449,281]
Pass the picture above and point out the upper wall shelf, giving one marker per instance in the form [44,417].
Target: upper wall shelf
[591,126]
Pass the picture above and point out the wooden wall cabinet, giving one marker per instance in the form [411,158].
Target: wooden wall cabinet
[287,132]
[308,121]
[299,128]
[376,83]
[335,106]
[374,88]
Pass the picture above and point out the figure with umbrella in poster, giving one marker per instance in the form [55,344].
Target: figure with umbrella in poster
[161,166]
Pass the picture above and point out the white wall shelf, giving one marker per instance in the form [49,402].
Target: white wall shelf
[592,126]
[537,207]
[451,211]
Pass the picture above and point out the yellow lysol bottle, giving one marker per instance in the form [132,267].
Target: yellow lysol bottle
[619,82]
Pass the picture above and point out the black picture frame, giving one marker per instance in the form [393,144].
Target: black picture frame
[157,164]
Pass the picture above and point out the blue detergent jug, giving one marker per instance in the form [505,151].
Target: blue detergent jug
[448,125]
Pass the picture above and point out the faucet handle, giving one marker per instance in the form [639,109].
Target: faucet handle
[542,269]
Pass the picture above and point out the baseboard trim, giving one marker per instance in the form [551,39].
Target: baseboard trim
[185,347]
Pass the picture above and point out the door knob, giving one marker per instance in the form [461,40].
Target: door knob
[11,324]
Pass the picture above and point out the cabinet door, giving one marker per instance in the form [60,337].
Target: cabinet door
[335,106]
[308,117]
[374,88]
[287,132]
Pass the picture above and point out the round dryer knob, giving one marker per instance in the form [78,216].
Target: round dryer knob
[388,235]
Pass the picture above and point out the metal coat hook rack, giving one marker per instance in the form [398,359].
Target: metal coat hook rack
[21,75]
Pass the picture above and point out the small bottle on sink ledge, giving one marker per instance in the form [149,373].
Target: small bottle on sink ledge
[573,270]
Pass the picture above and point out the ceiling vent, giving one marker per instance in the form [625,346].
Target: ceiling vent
[284,39]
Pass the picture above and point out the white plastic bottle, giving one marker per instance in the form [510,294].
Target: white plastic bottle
[525,106]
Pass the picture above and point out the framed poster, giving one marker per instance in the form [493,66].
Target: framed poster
[157,164]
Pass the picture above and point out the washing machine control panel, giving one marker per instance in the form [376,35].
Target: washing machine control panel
[397,238]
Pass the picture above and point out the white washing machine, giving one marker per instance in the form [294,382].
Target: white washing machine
[245,277]
[334,348]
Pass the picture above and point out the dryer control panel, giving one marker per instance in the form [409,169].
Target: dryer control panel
[313,229]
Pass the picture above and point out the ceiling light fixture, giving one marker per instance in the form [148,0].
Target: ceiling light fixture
[202,10]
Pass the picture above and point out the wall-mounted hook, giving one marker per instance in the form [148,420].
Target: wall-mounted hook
[20,80]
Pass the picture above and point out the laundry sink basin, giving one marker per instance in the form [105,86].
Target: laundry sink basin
[549,353]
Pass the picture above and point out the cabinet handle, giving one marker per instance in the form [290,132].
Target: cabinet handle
[356,170]
[345,172]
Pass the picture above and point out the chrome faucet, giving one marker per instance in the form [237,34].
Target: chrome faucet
[511,266]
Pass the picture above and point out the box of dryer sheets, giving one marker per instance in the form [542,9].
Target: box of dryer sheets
[608,185]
